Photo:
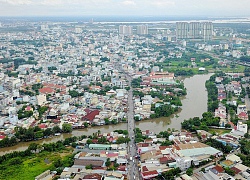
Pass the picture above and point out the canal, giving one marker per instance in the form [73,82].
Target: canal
[193,105]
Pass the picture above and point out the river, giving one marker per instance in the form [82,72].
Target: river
[193,105]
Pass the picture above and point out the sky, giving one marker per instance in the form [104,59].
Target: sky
[211,8]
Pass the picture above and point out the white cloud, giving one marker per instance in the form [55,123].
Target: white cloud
[129,3]
[124,7]
[162,3]
[17,2]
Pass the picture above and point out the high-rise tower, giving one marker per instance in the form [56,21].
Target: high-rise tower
[125,30]
[142,29]
[207,31]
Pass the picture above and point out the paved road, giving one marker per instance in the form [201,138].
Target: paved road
[133,172]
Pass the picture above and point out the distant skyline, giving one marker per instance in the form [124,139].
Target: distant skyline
[212,8]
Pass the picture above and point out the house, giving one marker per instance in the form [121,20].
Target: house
[242,127]
[221,96]
[241,108]
[149,174]
[92,176]
[235,159]
[100,146]
[46,90]
[90,116]
[243,116]
[85,162]
[219,169]
[28,108]
[184,163]
[166,159]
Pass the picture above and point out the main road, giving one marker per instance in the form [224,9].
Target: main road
[133,172]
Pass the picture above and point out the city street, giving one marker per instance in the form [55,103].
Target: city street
[132,167]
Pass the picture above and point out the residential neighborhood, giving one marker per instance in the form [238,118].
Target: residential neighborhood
[116,101]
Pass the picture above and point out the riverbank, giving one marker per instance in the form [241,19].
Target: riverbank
[193,105]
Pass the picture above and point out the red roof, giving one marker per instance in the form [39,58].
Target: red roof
[91,115]
[219,169]
[236,170]
[243,114]
[163,147]
[149,174]
[94,140]
[93,176]
[87,111]
[46,90]
[144,145]
[122,168]
[28,108]
[2,137]
[166,159]
[110,155]
[42,126]
[56,121]
[144,168]
[54,86]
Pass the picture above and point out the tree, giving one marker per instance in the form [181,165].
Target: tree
[102,140]
[116,165]
[229,171]
[98,132]
[56,129]
[66,128]
[189,171]
[121,140]
[48,132]
[58,163]
[38,134]
[90,166]
[89,141]
[108,162]
[33,146]
[107,122]
[171,174]
[85,124]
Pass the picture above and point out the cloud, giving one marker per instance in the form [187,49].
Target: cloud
[129,3]
[162,3]
[17,2]
[124,7]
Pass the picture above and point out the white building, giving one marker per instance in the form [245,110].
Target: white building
[142,29]
[242,127]
[241,108]
[41,99]
[125,30]
[183,163]
[233,158]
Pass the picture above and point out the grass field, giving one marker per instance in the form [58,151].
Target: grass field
[237,69]
[219,131]
[28,168]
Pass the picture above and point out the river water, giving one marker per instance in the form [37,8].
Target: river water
[193,105]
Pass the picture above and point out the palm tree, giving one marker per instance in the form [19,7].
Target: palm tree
[98,132]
